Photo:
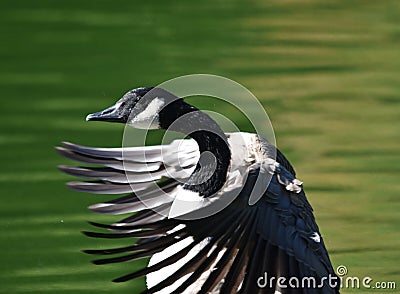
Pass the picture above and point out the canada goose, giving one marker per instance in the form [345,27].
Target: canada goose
[267,247]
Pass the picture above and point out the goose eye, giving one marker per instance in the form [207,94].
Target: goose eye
[122,105]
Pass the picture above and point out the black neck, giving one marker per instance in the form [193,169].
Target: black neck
[211,171]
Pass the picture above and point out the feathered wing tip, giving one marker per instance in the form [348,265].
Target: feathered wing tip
[123,170]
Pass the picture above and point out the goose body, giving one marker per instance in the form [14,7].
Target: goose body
[214,212]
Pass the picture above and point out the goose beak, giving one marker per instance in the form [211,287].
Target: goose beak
[111,114]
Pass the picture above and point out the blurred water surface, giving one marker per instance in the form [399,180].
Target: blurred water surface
[327,72]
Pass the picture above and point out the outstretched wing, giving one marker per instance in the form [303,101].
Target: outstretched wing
[148,171]
[239,249]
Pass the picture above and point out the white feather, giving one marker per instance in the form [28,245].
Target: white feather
[316,237]
[154,278]
[186,201]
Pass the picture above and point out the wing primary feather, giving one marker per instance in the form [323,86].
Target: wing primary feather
[150,218]
[101,187]
[235,276]
[89,172]
[250,280]
[140,154]
[138,234]
[164,241]
[138,216]
[114,175]
[133,256]
[269,265]
[222,266]
[167,223]
[155,267]
[146,216]
[86,159]
[146,203]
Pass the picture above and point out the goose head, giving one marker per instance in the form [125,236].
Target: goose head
[139,108]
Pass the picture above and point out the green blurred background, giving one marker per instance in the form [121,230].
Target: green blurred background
[327,72]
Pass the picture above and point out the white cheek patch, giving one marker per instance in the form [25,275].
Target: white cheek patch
[149,117]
